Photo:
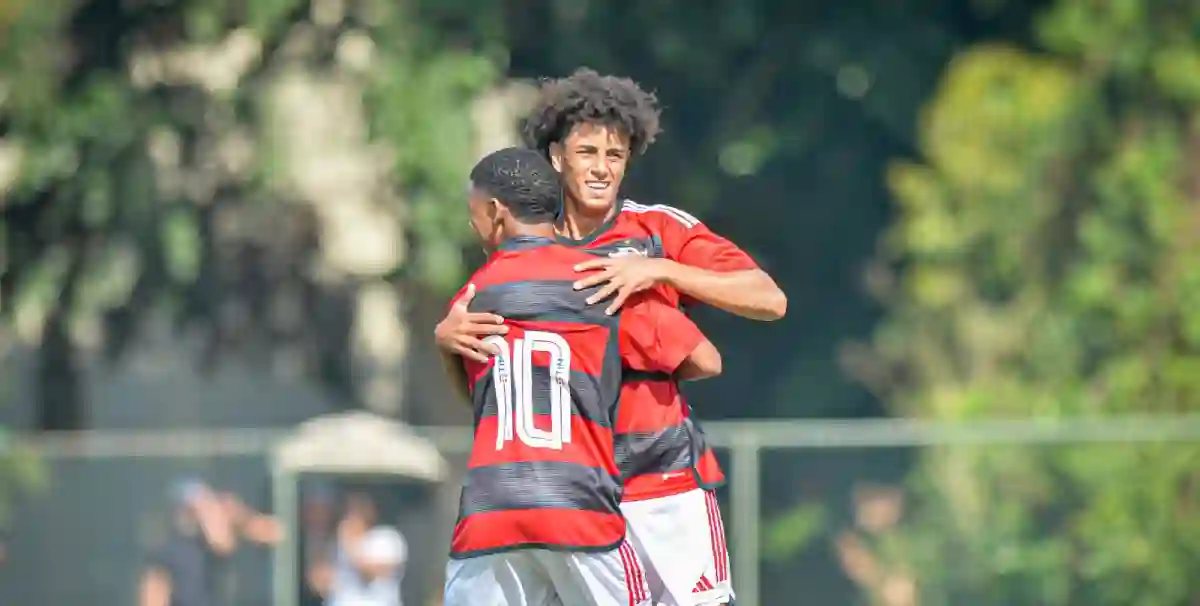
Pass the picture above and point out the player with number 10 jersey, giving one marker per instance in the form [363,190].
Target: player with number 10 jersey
[540,518]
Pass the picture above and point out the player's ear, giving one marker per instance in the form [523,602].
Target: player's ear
[496,211]
[499,216]
[556,156]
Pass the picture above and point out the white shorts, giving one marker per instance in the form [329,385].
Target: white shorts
[538,577]
[681,540]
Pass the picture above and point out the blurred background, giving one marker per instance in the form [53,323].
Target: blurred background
[228,227]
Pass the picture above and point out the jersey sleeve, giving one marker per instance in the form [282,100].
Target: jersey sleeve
[475,278]
[688,241]
[655,336]
[461,291]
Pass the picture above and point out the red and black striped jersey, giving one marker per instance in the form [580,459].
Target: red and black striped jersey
[660,446]
[542,471]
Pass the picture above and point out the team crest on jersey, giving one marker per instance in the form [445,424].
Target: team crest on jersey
[641,247]
[625,251]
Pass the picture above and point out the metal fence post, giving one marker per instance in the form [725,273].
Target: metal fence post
[744,499]
[286,575]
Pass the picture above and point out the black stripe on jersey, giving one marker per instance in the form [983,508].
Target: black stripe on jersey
[642,452]
[587,398]
[629,375]
[538,485]
[542,301]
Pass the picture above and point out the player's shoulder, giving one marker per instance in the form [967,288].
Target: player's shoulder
[484,275]
[657,214]
[553,262]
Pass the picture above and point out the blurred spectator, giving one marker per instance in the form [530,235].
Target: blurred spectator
[377,561]
[191,568]
[318,542]
[357,518]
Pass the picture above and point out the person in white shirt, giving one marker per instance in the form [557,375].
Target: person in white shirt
[378,560]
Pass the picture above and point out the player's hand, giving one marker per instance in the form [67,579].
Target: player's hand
[621,276]
[462,332]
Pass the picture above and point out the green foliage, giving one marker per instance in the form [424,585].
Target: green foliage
[20,473]
[158,154]
[1051,268]
[793,531]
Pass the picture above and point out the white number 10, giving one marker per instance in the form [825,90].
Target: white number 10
[512,375]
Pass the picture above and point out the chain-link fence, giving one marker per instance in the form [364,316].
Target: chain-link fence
[827,510]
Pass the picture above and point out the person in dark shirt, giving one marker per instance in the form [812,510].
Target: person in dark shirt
[191,568]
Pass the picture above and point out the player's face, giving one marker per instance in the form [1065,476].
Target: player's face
[592,161]
[485,219]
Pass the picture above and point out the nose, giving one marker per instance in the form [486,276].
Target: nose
[600,170]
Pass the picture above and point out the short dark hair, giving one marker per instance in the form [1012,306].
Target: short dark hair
[523,180]
[586,97]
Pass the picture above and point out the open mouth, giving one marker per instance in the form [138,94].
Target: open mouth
[597,185]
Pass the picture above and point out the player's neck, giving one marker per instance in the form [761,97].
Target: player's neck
[577,225]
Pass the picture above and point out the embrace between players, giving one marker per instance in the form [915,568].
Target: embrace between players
[589,482]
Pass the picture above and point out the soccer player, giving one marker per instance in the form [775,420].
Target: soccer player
[590,126]
[540,520]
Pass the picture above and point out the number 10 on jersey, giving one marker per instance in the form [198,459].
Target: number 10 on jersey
[512,375]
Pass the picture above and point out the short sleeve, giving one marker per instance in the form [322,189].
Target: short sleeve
[688,241]
[655,336]
[461,291]
[476,277]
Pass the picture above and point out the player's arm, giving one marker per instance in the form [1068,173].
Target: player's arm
[749,293]
[461,332]
[452,365]
[703,363]
[461,335]
[701,265]
[657,337]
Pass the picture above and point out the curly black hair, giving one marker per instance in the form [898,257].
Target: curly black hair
[587,97]
[523,180]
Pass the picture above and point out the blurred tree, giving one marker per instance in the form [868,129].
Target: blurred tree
[20,473]
[1048,247]
[260,177]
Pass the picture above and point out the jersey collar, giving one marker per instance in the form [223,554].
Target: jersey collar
[524,243]
[604,227]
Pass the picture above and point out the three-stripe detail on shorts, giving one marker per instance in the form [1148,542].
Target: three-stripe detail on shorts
[716,530]
[635,578]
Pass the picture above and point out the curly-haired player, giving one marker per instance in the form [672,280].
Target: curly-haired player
[590,126]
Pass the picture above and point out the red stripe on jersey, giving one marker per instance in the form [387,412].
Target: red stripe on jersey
[708,469]
[590,445]
[655,485]
[501,530]
[589,343]
[649,406]
[552,262]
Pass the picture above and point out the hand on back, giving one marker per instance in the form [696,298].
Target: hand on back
[462,331]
